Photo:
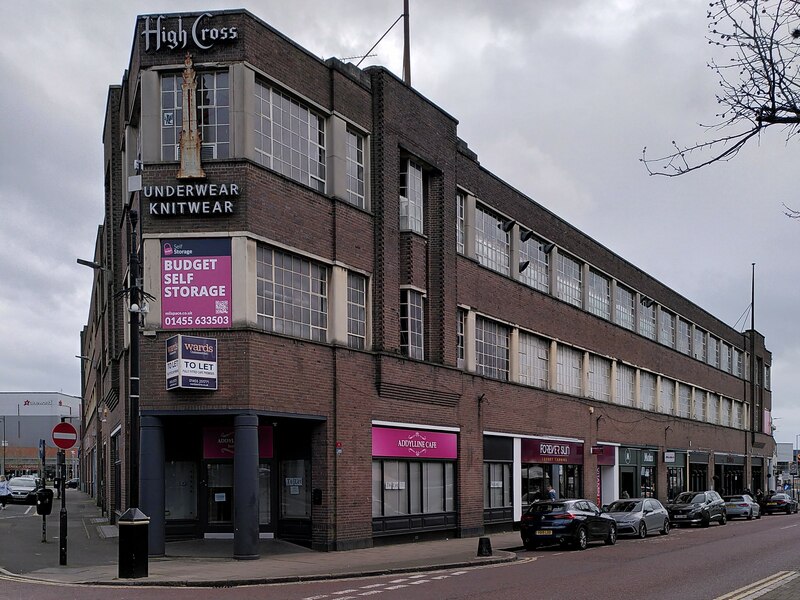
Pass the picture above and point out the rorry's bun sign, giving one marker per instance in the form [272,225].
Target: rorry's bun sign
[177,33]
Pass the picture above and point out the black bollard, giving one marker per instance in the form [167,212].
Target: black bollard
[484,546]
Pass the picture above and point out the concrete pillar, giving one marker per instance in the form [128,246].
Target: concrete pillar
[245,482]
[151,476]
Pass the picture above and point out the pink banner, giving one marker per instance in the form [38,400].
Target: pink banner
[218,442]
[413,443]
[552,451]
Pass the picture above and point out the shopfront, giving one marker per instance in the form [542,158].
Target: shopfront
[757,473]
[556,463]
[675,463]
[637,472]
[498,467]
[729,474]
[606,456]
[698,471]
[413,480]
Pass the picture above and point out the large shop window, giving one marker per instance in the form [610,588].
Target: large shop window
[551,463]
[213,114]
[290,138]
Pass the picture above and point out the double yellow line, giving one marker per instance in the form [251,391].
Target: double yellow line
[759,588]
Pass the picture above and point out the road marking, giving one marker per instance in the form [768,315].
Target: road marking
[374,585]
[396,587]
[344,592]
[316,597]
[419,581]
[371,593]
[759,588]
[398,580]
[790,526]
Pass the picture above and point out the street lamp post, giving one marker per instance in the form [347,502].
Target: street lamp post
[5,443]
[135,309]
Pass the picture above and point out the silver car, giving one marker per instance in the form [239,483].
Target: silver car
[639,516]
[23,489]
[742,506]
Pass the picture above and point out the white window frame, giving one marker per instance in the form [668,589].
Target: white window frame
[534,360]
[598,289]
[625,307]
[356,311]
[356,185]
[599,378]
[569,370]
[569,277]
[537,275]
[492,244]
[492,348]
[412,197]
[412,323]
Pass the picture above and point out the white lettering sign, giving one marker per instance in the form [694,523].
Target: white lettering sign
[158,34]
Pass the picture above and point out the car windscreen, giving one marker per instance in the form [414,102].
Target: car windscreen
[625,506]
[690,498]
[778,497]
[22,482]
[547,507]
[733,498]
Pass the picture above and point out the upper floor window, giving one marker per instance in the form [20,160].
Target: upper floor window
[461,333]
[411,324]
[599,295]
[684,400]
[356,311]
[461,208]
[569,275]
[738,415]
[738,362]
[725,412]
[724,356]
[534,360]
[213,114]
[569,370]
[411,197]
[625,307]
[699,406]
[290,138]
[713,351]
[767,377]
[599,378]
[666,329]
[647,390]
[292,295]
[647,320]
[713,408]
[534,251]
[684,336]
[700,344]
[355,169]
[667,396]
[491,348]
[626,385]
[492,244]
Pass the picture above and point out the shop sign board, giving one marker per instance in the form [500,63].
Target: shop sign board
[196,283]
[191,363]
[413,443]
[669,456]
[177,33]
[552,451]
[218,442]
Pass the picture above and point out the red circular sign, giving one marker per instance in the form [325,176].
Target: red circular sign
[64,435]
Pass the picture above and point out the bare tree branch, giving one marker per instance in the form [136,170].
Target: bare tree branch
[759,85]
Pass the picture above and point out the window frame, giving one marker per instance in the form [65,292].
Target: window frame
[412,323]
[412,196]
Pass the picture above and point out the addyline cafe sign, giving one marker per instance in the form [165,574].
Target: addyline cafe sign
[181,32]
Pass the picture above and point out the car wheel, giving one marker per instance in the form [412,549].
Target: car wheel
[705,520]
[530,545]
[758,516]
[788,510]
[641,532]
[581,539]
[723,519]
[750,516]
[611,538]
[665,529]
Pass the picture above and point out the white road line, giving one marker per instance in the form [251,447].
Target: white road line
[459,573]
[790,526]
[419,581]
[759,588]
[416,576]
[374,585]
[344,592]
[441,577]
[316,597]
[398,580]
[396,587]
[371,593]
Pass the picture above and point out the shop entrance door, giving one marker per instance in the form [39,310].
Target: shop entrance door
[219,496]
[627,482]
[294,521]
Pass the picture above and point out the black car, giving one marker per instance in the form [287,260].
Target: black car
[72,483]
[779,503]
[574,522]
[697,508]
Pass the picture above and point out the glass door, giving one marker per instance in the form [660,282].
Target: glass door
[220,493]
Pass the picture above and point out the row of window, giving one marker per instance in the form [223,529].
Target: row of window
[605,380]
[290,137]
[585,287]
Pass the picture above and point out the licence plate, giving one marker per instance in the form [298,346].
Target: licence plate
[680,516]
[772,504]
[544,532]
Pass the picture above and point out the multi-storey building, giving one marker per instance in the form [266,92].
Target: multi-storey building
[349,331]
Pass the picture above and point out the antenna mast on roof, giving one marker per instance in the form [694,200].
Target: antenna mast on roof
[406,46]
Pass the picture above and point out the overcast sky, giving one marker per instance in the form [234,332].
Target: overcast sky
[556,98]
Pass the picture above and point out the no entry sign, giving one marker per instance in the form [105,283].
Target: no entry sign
[64,435]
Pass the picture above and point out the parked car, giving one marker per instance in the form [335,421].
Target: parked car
[697,508]
[574,522]
[742,506]
[639,516]
[72,483]
[23,489]
[780,503]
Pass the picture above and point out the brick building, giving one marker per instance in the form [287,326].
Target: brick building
[351,332]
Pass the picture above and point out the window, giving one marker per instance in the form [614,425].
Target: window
[492,244]
[599,378]
[738,415]
[666,329]
[491,348]
[355,169]
[626,385]
[647,321]
[411,324]
[730,359]
[461,201]
[599,295]
[537,275]
[699,406]
[570,280]
[292,295]
[700,344]
[403,487]
[725,412]
[724,357]
[738,362]
[667,396]
[713,351]
[461,333]
[411,197]
[290,138]
[356,311]
[767,378]
[569,370]
[713,408]
[684,336]
[213,114]
[496,485]
[625,308]
[647,390]
[534,360]
[684,400]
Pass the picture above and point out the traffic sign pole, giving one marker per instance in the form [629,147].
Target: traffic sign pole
[64,437]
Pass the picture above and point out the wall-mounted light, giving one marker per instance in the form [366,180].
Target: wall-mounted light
[507,225]
[647,302]
[91,264]
[524,265]
[548,247]
[525,235]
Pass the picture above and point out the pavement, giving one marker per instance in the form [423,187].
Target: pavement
[92,554]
